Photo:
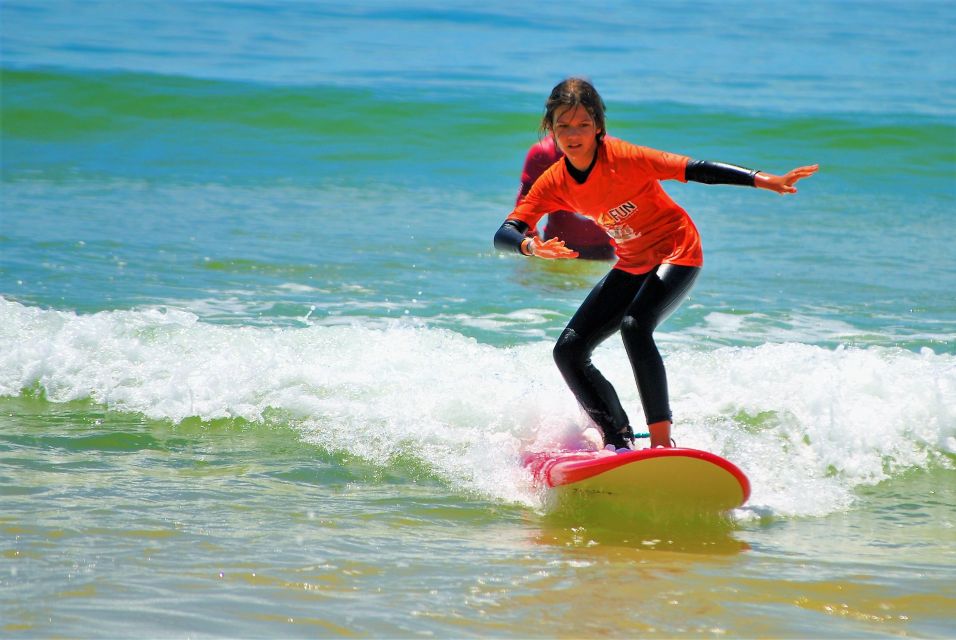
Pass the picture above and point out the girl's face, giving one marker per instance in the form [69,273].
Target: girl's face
[576,135]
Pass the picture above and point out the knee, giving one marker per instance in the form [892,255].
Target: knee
[569,351]
[633,326]
[638,336]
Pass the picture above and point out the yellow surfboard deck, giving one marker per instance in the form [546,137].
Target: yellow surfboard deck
[678,478]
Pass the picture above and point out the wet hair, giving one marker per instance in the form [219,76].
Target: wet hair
[571,93]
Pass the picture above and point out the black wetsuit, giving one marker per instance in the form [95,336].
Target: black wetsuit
[634,304]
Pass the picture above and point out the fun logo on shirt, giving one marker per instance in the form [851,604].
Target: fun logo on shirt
[622,233]
[612,221]
[620,212]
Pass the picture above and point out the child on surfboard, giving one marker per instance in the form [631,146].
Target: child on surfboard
[659,256]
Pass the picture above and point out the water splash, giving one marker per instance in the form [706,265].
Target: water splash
[809,425]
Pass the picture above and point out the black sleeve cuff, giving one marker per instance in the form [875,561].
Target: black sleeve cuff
[510,236]
[710,172]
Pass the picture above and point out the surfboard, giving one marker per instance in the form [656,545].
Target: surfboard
[672,478]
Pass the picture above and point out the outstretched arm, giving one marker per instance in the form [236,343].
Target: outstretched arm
[709,172]
[784,184]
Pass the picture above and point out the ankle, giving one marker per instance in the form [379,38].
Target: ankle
[660,433]
[623,439]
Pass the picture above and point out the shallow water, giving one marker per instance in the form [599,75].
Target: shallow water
[114,522]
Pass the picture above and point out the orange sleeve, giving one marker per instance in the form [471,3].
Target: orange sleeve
[664,165]
[543,198]
[540,156]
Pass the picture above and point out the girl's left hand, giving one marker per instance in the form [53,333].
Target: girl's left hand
[784,184]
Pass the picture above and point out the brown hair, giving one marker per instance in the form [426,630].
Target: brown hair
[571,93]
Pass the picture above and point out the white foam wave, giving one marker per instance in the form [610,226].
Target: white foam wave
[807,424]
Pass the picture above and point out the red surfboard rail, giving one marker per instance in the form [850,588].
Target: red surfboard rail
[642,468]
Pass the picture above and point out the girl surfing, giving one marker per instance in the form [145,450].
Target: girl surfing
[659,256]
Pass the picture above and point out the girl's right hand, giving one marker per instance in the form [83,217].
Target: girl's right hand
[552,249]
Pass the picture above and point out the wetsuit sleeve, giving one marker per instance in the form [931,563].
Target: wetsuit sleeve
[709,172]
[510,236]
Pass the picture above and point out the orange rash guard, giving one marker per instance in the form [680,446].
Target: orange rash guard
[624,196]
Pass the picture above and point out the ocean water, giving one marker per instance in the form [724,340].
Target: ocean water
[263,375]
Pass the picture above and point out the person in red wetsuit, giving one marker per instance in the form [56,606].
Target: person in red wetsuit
[578,232]
[659,256]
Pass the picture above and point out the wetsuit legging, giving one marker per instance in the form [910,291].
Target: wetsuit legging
[634,305]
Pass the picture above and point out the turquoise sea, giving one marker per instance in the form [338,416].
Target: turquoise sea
[262,373]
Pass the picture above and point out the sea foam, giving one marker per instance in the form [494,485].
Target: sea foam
[809,425]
